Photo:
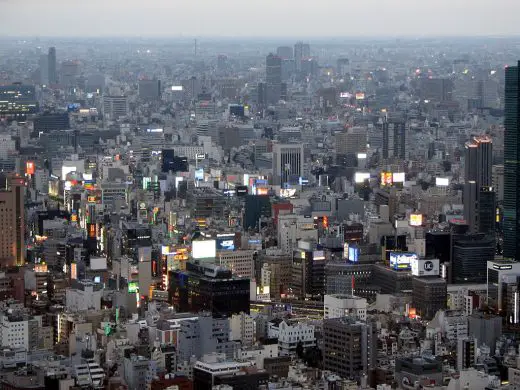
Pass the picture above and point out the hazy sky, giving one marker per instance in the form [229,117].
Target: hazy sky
[262,18]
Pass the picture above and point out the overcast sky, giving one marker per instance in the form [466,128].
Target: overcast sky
[261,18]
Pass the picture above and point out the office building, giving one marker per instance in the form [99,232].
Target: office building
[53,75]
[17,101]
[215,373]
[485,328]
[478,185]
[149,90]
[273,78]
[466,353]
[115,107]
[301,52]
[240,262]
[308,271]
[511,222]
[429,295]
[12,221]
[436,89]
[288,162]
[208,287]
[289,333]
[349,347]
[349,144]
[499,272]
[470,255]
[394,137]
[48,122]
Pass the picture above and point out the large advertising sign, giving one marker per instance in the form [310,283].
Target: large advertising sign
[204,249]
[425,267]
[402,260]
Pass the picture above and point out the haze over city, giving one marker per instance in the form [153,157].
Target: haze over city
[267,18]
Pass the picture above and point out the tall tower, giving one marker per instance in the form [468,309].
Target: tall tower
[12,228]
[511,221]
[273,78]
[53,77]
[301,51]
[479,197]
[287,163]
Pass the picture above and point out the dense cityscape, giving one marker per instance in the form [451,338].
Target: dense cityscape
[230,213]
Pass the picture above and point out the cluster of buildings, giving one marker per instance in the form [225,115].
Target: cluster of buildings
[245,221]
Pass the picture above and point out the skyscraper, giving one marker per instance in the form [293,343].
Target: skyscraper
[511,222]
[53,77]
[273,78]
[478,185]
[287,163]
[394,137]
[284,52]
[12,228]
[301,51]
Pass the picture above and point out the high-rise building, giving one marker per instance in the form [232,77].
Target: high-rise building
[44,69]
[115,107]
[429,295]
[17,101]
[470,254]
[349,144]
[53,76]
[511,222]
[466,353]
[273,78]
[301,51]
[350,346]
[287,163]
[394,138]
[478,185]
[208,287]
[12,226]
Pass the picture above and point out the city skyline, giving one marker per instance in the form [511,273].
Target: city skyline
[329,18]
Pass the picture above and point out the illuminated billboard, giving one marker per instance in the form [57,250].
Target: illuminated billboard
[360,177]
[398,177]
[345,95]
[361,155]
[442,181]
[226,242]
[29,168]
[199,174]
[133,287]
[262,191]
[345,250]
[287,192]
[425,267]
[177,88]
[66,170]
[416,219]
[360,96]
[402,261]
[353,253]
[318,255]
[204,249]
[386,179]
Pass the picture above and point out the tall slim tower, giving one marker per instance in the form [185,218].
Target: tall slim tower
[301,51]
[12,228]
[273,78]
[287,162]
[511,221]
[479,197]
[53,77]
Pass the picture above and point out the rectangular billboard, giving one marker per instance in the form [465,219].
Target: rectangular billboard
[226,243]
[416,219]
[204,249]
[398,177]
[318,255]
[386,179]
[402,260]
[442,181]
[425,267]
[360,177]
[353,253]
